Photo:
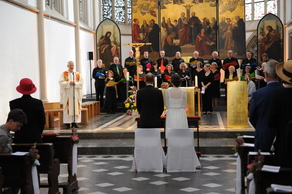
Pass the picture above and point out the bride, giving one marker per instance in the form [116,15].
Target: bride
[176,102]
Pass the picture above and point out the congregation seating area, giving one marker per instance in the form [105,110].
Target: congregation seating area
[17,168]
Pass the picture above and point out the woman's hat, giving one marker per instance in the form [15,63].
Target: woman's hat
[26,86]
[284,71]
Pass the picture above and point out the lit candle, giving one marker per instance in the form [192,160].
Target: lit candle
[128,77]
[155,82]
[196,81]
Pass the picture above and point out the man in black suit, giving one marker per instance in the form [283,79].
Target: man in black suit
[34,110]
[259,107]
[150,104]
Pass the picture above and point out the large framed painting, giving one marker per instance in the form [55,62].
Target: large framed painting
[189,25]
[231,34]
[108,42]
[145,26]
[270,37]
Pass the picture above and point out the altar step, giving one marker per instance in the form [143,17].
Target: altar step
[212,142]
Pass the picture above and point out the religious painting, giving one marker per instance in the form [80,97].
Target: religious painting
[108,42]
[231,34]
[270,37]
[188,25]
[145,28]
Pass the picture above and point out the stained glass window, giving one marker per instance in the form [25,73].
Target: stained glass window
[120,11]
[107,9]
[256,9]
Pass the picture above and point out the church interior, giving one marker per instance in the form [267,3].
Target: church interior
[39,37]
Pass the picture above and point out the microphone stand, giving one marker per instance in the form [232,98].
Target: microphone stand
[74,100]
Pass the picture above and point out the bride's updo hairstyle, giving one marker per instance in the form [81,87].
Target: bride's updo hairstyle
[175,80]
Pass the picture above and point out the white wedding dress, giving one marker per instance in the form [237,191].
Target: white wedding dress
[176,102]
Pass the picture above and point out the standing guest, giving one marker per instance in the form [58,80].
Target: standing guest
[141,78]
[229,61]
[280,114]
[249,61]
[98,74]
[215,59]
[259,107]
[207,92]
[33,108]
[130,63]
[116,68]
[71,84]
[150,104]
[162,61]
[193,61]
[216,83]
[177,61]
[15,120]
[251,88]
[110,93]
[199,72]
[185,75]
[157,73]
[146,62]
[168,73]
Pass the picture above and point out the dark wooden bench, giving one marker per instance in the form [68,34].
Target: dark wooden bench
[193,122]
[16,170]
[48,164]
[63,151]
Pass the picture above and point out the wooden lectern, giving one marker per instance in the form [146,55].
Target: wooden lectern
[237,104]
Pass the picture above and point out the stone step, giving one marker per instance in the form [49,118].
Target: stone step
[126,146]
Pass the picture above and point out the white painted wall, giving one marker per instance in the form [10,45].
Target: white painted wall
[18,52]
[60,48]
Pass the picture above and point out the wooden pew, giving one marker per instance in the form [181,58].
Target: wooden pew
[16,170]
[48,164]
[92,106]
[63,151]
[263,180]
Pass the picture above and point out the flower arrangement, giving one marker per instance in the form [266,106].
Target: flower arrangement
[130,102]
[75,137]
[239,142]
[164,85]
[34,154]
[256,164]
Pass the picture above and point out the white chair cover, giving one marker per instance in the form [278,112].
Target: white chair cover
[181,154]
[148,153]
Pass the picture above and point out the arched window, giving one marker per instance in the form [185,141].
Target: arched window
[118,10]
[256,9]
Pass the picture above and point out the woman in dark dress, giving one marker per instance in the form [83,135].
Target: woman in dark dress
[168,73]
[185,75]
[199,72]
[207,90]
[216,83]
[110,93]
[156,72]
[142,83]
[98,74]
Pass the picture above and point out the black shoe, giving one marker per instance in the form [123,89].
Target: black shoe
[67,126]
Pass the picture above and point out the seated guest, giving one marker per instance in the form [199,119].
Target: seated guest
[33,108]
[259,108]
[185,75]
[168,73]
[15,120]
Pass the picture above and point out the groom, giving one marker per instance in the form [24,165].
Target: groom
[150,104]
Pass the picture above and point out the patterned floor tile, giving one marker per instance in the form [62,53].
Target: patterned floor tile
[123,189]
[159,183]
[104,184]
[212,185]
[189,189]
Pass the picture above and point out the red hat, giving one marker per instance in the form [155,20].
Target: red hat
[26,86]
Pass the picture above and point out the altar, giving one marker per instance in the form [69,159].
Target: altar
[193,100]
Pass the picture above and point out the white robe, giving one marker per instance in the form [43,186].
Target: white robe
[71,96]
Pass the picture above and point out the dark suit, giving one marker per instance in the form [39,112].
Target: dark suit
[117,77]
[34,110]
[150,105]
[258,116]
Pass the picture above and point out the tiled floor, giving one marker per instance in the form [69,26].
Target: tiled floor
[111,174]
